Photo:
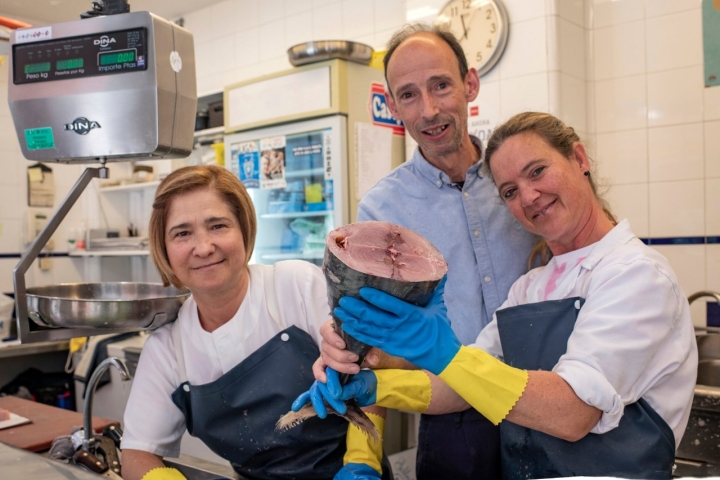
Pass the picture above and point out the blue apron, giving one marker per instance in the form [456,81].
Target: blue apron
[534,337]
[235,415]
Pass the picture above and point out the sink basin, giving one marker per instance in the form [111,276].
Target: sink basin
[709,373]
[708,346]
[701,442]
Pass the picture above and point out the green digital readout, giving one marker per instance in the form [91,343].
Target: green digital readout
[37,67]
[69,64]
[115,58]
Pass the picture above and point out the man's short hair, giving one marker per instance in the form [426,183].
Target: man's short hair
[440,30]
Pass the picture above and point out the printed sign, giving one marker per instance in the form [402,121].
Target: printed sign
[26,35]
[327,155]
[711,41]
[39,138]
[272,162]
[482,119]
[245,163]
[380,112]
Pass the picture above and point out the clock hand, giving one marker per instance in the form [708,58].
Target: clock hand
[462,19]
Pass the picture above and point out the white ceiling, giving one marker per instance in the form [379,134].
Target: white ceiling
[52,11]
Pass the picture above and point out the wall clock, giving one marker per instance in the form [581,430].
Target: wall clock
[481,27]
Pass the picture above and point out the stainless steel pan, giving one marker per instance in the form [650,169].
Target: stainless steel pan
[104,305]
[310,52]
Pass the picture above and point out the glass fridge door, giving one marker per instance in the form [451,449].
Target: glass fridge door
[296,176]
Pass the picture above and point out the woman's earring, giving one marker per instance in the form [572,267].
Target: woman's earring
[587,173]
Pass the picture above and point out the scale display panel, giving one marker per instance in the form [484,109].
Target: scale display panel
[82,56]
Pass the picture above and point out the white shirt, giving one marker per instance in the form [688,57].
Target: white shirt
[633,337]
[152,422]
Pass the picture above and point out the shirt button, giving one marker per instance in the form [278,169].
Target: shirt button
[284,337]
[465,194]
[186,387]
[439,183]
[487,279]
[476,233]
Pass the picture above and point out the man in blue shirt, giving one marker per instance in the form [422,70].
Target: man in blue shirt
[442,194]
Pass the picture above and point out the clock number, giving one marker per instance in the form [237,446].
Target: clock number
[489,44]
[492,28]
[478,57]
[466,4]
[489,14]
[454,11]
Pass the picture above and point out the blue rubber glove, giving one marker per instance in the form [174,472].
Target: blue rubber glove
[320,393]
[421,335]
[357,471]
[362,387]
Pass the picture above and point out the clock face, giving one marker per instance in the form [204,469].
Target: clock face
[481,27]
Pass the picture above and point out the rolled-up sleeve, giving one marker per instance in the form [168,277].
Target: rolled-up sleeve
[623,328]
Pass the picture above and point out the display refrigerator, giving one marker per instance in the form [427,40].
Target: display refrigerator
[307,143]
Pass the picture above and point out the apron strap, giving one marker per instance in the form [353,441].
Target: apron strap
[271,296]
[177,343]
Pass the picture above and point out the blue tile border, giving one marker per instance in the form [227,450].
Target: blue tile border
[42,255]
[680,240]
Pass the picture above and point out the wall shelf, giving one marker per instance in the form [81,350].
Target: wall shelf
[109,253]
[320,213]
[310,255]
[130,186]
[304,173]
[209,132]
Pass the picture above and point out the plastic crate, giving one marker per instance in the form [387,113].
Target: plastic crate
[215,115]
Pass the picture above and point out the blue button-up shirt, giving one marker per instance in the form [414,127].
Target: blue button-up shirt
[485,247]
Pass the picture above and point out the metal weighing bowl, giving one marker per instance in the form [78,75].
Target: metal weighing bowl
[317,51]
[104,305]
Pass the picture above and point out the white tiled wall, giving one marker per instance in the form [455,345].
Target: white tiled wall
[658,139]
[240,39]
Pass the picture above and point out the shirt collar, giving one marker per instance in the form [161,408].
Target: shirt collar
[440,178]
[619,235]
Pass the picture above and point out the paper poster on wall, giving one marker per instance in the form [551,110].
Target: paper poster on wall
[711,41]
[41,186]
[272,162]
[245,163]
[327,154]
[484,113]
[373,151]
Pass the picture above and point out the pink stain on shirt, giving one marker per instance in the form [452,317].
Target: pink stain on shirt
[552,282]
[556,275]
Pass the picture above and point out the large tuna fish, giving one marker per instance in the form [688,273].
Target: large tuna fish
[384,256]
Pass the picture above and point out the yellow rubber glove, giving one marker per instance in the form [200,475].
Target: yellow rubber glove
[403,389]
[164,473]
[489,385]
[363,449]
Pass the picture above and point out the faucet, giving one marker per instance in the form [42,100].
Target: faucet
[90,393]
[704,293]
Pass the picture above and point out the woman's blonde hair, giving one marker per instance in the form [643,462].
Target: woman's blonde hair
[190,179]
[560,137]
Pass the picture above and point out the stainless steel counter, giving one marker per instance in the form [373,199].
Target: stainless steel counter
[21,464]
[16,463]
[15,349]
